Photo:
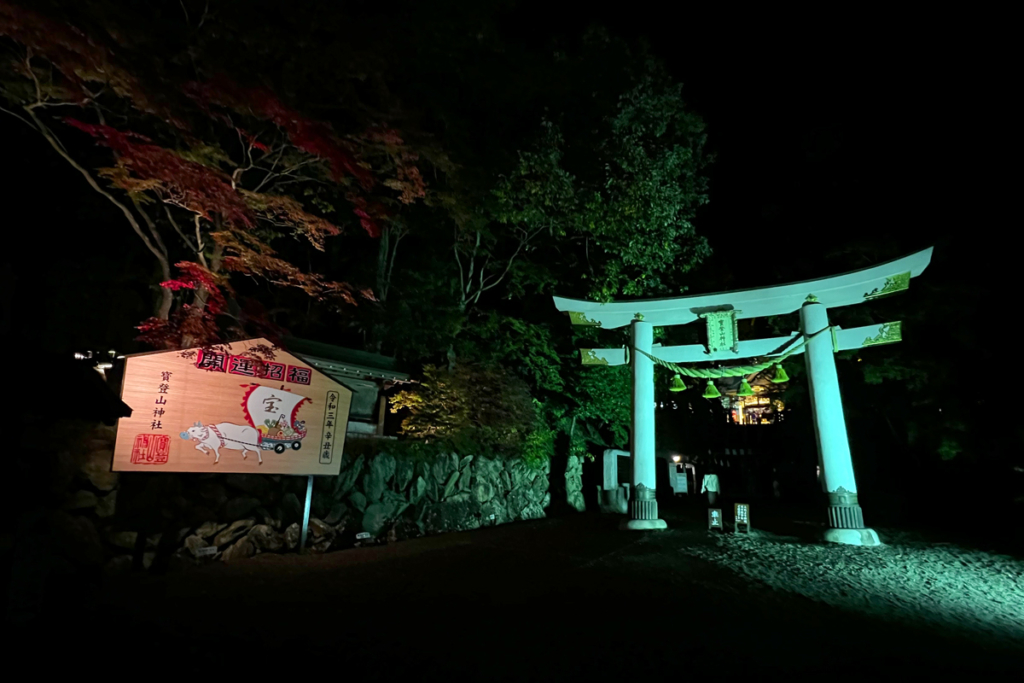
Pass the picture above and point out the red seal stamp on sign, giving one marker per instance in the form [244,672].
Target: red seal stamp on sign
[151,449]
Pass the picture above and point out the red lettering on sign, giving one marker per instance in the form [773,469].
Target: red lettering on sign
[299,375]
[212,360]
[151,449]
[240,365]
[274,371]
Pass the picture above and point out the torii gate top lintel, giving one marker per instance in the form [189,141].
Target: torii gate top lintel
[838,290]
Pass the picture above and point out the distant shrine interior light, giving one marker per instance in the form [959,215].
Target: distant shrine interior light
[755,410]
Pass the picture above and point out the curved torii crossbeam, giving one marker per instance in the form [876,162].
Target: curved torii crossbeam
[721,311]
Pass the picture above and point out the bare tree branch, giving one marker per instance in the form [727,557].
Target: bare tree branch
[32,75]
[390,238]
[280,154]
[19,117]
[508,266]
[202,19]
[48,105]
[59,148]
[99,113]
[394,252]
[483,271]
[153,230]
[494,280]
[177,229]
[167,297]
[200,246]
[472,266]
[462,280]
[271,176]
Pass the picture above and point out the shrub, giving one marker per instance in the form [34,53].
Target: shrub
[474,406]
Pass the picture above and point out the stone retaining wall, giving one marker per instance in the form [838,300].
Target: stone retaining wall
[378,497]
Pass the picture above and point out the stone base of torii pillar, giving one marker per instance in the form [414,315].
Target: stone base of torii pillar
[643,525]
[866,537]
[643,512]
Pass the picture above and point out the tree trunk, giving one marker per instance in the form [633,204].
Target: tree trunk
[164,308]
[202,294]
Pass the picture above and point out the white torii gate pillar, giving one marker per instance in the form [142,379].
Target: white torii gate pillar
[721,311]
[643,507]
[846,520]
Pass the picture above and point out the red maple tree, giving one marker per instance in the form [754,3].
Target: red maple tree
[219,206]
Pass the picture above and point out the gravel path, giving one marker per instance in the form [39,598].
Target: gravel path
[573,599]
[955,589]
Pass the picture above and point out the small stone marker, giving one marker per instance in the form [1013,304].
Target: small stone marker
[715,519]
[363,535]
[208,551]
[742,518]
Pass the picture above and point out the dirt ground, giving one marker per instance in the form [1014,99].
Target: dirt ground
[572,597]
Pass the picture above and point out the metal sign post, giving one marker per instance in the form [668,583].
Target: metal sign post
[305,514]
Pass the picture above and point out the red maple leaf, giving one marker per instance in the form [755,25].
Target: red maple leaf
[186,183]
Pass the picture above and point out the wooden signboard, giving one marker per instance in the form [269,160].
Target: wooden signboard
[230,409]
[742,512]
[715,519]
[722,330]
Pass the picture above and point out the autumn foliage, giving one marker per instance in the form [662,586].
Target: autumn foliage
[312,137]
[225,203]
[149,167]
[196,322]
[79,59]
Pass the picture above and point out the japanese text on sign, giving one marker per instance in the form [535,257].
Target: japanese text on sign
[212,361]
[240,365]
[714,518]
[150,449]
[274,371]
[215,361]
[299,375]
[742,512]
[330,417]
[161,401]
[721,329]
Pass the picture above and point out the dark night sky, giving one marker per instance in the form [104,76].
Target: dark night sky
[895,130]
[853,131]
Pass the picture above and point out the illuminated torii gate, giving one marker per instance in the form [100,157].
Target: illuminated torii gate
[721,311]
